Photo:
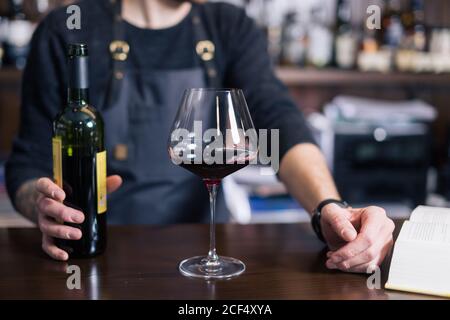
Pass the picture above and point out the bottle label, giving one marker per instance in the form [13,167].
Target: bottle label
[101,182]
[57,161]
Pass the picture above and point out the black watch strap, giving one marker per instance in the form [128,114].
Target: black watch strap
[317,214]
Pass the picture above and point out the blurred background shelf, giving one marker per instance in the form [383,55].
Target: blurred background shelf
[303,77]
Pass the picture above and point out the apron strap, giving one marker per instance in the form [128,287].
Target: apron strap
[205,49]
[120,49]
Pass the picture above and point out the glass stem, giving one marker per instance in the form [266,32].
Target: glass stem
[213,258]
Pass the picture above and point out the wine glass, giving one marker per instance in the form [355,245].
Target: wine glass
[213,136]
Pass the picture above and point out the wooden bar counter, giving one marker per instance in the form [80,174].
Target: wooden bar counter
[284,261]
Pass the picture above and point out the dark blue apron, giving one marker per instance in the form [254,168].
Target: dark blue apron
[138,111]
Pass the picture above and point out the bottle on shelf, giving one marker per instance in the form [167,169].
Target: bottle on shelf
[346,39]
[320,38]
[413,54]
[372,55]
[79,159]
[293,40]
[380,47]
[392,26]
[420,30]
[262,11]
[370,43]
[413,22]
[18,36]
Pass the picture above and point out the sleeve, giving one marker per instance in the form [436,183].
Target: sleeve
[42,94]
[248,66]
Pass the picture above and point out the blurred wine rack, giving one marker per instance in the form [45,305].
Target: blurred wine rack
[310,77]
[311,88]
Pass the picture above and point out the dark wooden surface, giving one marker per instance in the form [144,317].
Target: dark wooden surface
[283,262]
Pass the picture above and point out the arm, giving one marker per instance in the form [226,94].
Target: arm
[42,94]
[26,198]
[309,181]
[357,238]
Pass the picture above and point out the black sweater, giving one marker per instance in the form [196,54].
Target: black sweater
[241,58]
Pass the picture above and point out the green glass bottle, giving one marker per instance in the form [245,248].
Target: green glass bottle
[79,159]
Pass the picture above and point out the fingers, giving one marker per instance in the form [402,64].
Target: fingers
[53,229]
[339,220]
[366,261]
[371,244]
[49,189]
[113,183]
[59,211]
[365,256]
[52,250]
[372,220]
[51,211]
[360,262]
[362,268]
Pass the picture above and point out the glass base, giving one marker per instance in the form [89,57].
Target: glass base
[223,268]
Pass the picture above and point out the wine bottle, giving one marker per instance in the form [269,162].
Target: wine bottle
[17,42]
[79,158]
[320,38]
[420,30]
[393,29]
[346,42]
[293,40]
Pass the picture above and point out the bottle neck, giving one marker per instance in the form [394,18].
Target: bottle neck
[78,96]
[16,10]
[78,91]
[418,12]
[343,14]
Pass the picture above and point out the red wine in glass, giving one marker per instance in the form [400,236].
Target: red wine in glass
[232,161]
[212,136]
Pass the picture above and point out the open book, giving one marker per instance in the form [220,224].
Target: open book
[421,258]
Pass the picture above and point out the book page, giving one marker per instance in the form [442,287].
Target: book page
[431,214]
[425,232]
[421,259]
[420,267]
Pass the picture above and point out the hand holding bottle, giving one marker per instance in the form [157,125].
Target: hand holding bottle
[52,214]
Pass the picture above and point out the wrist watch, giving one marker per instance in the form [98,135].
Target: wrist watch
[317,213]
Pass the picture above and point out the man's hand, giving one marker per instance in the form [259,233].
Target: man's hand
[52,213]
[358,238]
